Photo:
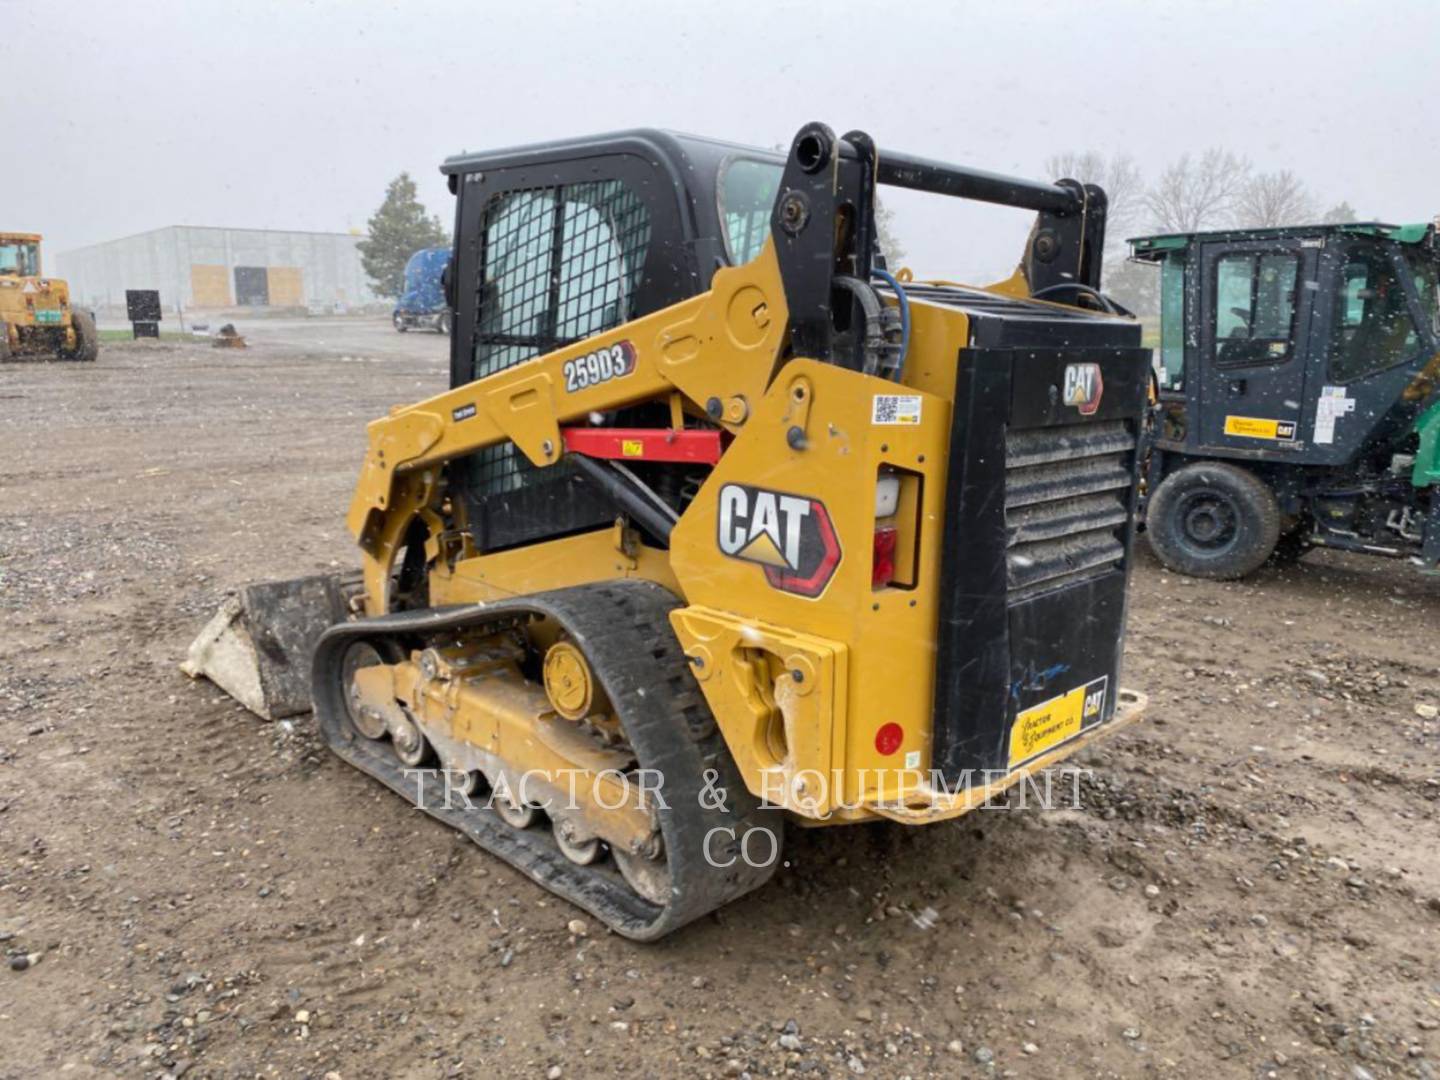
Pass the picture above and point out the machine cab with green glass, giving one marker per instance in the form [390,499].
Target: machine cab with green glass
[1297,375]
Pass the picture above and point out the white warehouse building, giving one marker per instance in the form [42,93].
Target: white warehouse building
[199,268]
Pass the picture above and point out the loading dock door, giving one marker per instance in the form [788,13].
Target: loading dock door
[287,287]
[252,286]
[209,286]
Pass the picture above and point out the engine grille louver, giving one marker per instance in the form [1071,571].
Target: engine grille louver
[1067,492]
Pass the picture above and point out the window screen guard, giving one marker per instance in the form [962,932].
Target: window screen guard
[558,264]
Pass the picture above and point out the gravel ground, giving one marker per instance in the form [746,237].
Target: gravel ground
[1250,886]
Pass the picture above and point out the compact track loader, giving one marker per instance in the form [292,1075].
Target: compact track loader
[722,523]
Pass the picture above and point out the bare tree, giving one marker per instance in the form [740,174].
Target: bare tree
[1119,176]
[889,243]
[1136,285]
[1124,189]
[1198,193]
[1267,200]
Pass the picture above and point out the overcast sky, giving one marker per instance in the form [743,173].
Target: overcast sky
[118,117]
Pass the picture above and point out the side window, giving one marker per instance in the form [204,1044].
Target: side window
[747,196]
[1372,327]
[1172,322]
[1255,307]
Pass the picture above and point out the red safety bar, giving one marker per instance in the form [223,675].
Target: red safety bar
[643,444]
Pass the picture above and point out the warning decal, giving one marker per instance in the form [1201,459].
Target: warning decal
[1332,404]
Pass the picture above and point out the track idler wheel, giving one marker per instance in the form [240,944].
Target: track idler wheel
[648,876]
[411,746]
[367,720]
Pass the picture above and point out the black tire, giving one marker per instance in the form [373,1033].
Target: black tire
[399,322]
[4,342]
[443,325]
[87,339]
[1213,520]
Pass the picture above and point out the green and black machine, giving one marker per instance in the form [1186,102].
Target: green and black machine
[1297,402]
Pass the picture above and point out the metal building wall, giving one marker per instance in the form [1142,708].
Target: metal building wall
[318,270]
[99,275]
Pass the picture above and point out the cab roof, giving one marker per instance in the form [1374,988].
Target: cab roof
[1142,247]
[19,238]
[674,145]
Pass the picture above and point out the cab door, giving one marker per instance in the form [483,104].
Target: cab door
[1256,310]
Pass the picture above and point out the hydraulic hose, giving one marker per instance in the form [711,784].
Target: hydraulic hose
[889,279]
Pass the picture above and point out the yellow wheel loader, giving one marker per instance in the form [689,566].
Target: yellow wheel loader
[722,523]
[36,316]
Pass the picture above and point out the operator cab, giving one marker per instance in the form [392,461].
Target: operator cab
[558,242]
[1297,407]
[1292,344]
[19,255]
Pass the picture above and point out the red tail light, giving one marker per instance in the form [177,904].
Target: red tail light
[882,569]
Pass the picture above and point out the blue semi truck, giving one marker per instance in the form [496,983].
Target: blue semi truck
[422,306]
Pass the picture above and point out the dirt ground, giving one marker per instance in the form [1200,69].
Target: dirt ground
[1251,887]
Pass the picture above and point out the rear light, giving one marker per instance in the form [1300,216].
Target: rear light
[889,738]
[887,501]
[882,568]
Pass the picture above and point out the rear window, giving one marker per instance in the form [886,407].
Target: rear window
[747,195]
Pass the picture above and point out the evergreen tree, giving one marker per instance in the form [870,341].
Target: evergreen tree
[398,229]
[1340,214]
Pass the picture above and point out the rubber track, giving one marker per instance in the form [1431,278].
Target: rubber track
[624,631]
